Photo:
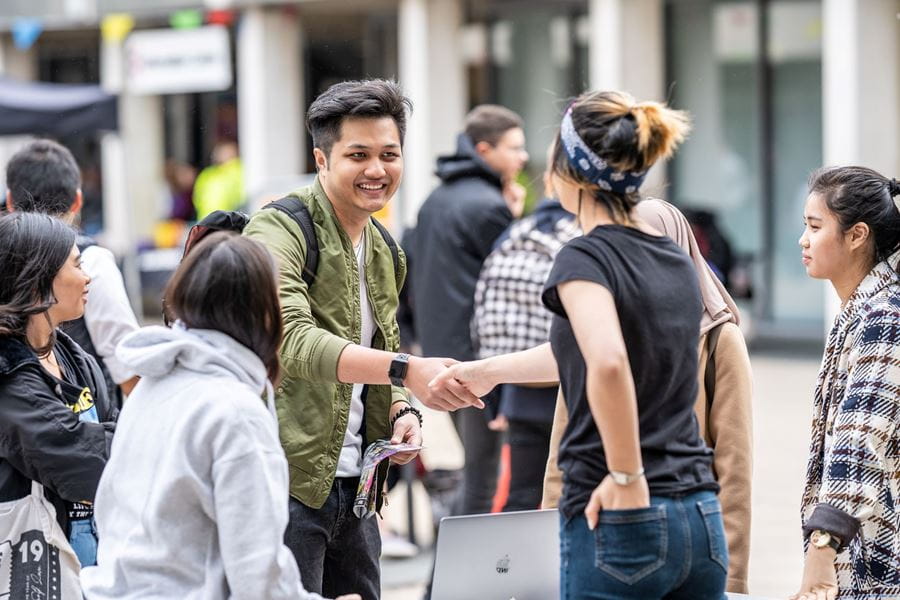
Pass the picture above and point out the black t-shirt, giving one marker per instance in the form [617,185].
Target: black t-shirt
[79,397]
[654,285]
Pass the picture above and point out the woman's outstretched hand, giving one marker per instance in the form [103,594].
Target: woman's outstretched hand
[819,576]
[472,375]
[609,495]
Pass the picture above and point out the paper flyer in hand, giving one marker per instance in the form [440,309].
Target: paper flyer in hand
[366,494]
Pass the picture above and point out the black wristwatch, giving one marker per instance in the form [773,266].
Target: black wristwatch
[397,372]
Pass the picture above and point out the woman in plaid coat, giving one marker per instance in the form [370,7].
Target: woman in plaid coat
[851,521]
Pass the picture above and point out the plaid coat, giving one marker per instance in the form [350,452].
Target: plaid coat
[853,475]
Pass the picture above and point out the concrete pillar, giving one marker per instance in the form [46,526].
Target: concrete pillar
[133,159]
[142,130]
[21,65]
[605,52]
[271,105]
[132,165]
[447,81]
[435,81]
[860,90]
[413,49]
[626,52]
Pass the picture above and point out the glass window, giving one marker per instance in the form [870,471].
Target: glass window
[714,71]
[537,62]
[795,62]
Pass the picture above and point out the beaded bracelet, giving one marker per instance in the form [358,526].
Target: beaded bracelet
[406,411]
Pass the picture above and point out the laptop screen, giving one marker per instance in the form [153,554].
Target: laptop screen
[505,556]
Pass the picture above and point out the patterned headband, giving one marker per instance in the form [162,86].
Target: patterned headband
[592,166]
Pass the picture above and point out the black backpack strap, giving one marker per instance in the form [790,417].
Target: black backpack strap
[296,209]
[392,245]
[709,376]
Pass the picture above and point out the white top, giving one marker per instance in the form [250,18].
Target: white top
[107,314]
[350,460]
[193,502]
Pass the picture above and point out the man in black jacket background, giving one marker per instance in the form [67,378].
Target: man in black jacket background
[457,226]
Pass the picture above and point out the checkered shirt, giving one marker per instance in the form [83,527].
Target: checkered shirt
[509,315]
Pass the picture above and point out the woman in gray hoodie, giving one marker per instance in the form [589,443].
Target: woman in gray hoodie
[193,503]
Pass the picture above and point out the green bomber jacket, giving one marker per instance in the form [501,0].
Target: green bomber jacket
[319,322]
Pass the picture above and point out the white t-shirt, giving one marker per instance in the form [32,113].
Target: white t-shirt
[350,460]
[107,314]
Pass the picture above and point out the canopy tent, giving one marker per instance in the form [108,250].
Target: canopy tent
[54,109]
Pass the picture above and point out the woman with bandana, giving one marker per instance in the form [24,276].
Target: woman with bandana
[639,514]
[724,397]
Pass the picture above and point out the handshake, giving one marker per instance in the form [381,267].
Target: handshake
[447,384]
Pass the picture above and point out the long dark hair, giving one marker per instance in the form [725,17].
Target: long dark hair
[862,195]
[33,248]
[227,283]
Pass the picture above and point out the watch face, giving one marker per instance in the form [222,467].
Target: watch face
[820,539]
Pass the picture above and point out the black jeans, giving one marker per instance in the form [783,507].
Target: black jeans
[529,446]
[482,451]
[336,551]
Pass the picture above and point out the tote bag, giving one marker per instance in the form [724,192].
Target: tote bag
[36,560]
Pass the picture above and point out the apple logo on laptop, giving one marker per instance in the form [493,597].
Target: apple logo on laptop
[503,565]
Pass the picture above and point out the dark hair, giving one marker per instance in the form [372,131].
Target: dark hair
[488,123]
[227,283]
[33,248]
[862,195]
[43,177]
[370,99]
[629,135]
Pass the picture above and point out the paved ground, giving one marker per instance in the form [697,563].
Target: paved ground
[782,401]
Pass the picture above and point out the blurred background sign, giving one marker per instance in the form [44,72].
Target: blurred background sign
[169,61]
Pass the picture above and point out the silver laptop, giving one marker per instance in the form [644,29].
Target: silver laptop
[505,556]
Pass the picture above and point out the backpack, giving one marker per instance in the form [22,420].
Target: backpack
[295,208]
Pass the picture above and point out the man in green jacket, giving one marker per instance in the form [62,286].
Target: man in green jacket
[343,384]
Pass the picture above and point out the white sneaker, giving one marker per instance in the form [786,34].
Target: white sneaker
[394,546]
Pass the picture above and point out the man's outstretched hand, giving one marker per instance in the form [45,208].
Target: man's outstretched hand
[424,379]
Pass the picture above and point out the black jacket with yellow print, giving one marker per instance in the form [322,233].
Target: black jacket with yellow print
[41,435]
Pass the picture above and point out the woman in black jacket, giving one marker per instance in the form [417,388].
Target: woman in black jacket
[56,421]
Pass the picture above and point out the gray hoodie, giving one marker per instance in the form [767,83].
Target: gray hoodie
[193,501]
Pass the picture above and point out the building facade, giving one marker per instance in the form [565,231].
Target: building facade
[775,88]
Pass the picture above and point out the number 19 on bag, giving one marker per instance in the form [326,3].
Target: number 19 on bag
[29,569]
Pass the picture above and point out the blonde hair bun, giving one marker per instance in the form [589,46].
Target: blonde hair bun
[660,130]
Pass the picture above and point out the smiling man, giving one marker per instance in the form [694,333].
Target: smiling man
[343,385]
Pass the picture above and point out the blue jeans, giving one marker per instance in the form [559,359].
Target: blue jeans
[673,550]
[83,538]
[336,551]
